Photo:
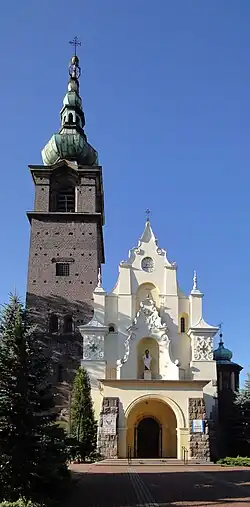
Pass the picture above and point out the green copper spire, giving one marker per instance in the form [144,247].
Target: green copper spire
[221,354]
[70,142]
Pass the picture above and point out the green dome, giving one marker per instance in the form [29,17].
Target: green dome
[222,354]
[70,142]
[70,146]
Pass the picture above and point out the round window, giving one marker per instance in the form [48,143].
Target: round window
[148,264]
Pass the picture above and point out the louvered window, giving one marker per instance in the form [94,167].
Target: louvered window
[65,201]
[62,269]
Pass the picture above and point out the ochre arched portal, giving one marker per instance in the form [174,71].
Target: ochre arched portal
[163,415]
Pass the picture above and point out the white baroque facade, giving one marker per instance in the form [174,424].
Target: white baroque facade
[147,311]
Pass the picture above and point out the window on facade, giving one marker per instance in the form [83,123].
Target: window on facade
[53,323]
[183,325]
[65,200]
[68,324]
[70,118]
[62,269]
[111,328]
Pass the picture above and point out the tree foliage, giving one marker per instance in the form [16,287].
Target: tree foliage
[242,419]
[32,455]
[83,424]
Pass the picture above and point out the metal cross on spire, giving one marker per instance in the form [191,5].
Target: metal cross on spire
[75,42]
[148,212]
[221,333]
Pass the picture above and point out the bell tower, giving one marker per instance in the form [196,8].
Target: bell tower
[228,379]
[66,240]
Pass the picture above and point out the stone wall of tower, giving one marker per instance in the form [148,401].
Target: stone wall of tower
[56,239]
[75,238]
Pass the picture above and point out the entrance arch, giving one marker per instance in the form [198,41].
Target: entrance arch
[150,412]
[148,438]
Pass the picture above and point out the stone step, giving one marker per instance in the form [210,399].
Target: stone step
[150,462]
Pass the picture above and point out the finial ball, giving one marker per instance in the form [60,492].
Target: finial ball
[74,60]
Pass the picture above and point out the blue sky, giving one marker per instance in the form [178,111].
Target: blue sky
[165,87]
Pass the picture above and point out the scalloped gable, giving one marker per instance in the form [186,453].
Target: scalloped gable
[147,245]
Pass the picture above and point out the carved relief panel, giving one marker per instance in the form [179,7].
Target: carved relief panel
[93,347]
[202,348]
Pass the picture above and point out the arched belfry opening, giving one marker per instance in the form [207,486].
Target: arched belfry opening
[63,191]
[152,429]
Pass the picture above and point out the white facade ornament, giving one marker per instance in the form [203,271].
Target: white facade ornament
[160,251]
[150,313]
[120,362]
[93,347]
[203,349]
[165,338]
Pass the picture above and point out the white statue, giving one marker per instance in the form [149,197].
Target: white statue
[147,360]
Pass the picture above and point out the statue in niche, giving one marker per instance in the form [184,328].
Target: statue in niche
[147,360]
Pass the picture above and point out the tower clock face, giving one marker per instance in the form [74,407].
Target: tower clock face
[148,264]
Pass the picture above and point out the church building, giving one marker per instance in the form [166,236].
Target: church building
[149,353]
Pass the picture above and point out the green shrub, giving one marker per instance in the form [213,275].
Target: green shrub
[19,503]
[235,462]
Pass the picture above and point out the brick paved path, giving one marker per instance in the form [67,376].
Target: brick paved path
[163,486]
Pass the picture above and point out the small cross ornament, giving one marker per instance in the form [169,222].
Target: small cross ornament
[148,212]
[75,42]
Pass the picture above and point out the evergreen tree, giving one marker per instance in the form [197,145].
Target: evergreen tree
[241,424]
[83,424]
[32,457]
